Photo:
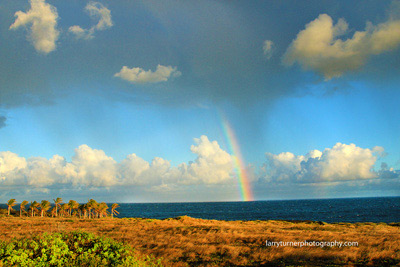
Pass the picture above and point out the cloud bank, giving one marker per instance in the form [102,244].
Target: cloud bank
[139,75]
[96,11]
[319,48]
[340,163]
[92,168]
[43,20]
[211,173]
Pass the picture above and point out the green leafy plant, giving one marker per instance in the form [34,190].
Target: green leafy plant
[70,249]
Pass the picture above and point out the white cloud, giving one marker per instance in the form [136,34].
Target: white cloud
[212,165]
[92,168]
[139,75]
[211,172]
[81,33]
[43,19]
[10,162]
[136,171]
[41,172]
[319,48]
[340,163]
[97,12]
[282,167]
[268,48]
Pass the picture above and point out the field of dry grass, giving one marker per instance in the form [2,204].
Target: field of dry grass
[186,241]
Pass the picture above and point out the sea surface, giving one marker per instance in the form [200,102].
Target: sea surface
[382,209]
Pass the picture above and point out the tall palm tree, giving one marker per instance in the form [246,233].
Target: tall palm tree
[64,209]
[33,207]
[113,210]
[82,210]
[22,207]
[10,204]
[97,210]
[102,208]
[57,202]
[92,204]
[53,212]
[72,204]
[44,206]
[85,211]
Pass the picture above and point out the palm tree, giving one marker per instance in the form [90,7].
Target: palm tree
[72,204]
[53,212]
[113,211]
[57,202]
[97,209]
[102,208]
[22,207]
[33,207]
[44,206]
[63,209]
[85,209]
[82,210]
[92,204]
[10,204]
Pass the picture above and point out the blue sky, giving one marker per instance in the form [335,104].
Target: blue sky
[123,99]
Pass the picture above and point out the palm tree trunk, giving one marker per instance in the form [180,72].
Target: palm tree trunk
[9,210]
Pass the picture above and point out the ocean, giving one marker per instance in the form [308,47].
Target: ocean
[377,209]
[382,209]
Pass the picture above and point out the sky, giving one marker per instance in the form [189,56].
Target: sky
[176,101]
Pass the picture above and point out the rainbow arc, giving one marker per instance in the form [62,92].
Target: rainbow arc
[238,162]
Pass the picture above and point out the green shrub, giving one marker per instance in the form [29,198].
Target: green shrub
[69,249]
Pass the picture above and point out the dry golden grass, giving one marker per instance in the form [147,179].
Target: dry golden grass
[186,241]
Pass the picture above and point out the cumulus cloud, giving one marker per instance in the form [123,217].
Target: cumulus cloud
[319,47]
[268,46]
[136,171]
[97,12]
[43,20]
[139,75]
[340,163]
[92,168]
[10,162]
[212,165]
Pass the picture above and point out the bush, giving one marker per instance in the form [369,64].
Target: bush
[69,249]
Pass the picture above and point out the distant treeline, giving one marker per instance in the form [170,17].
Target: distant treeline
[91,209]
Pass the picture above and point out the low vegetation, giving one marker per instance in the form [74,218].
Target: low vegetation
[69,249]
[186,241]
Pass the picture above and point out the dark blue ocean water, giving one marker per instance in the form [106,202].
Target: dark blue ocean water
[384,209]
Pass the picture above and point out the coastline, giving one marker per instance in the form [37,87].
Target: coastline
[184,241]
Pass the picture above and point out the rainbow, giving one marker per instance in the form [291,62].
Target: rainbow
[238,162]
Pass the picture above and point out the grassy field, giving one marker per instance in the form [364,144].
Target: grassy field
[186,241]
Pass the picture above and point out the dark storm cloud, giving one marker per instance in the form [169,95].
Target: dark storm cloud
[217,46]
